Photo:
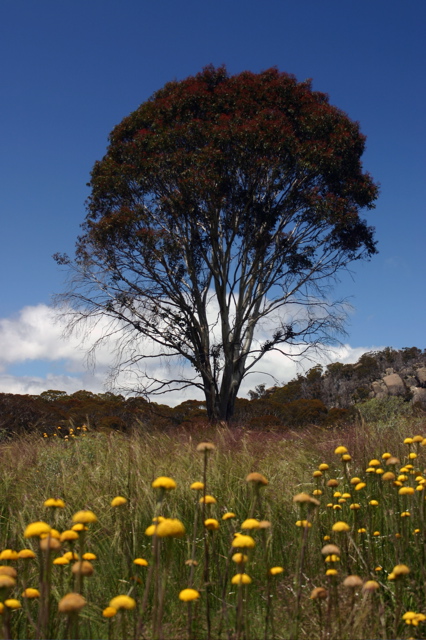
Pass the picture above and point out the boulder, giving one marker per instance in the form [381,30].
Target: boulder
[421,375]
[395,384]
[419,396]
[380,390]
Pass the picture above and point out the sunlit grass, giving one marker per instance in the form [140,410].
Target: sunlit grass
[330,535]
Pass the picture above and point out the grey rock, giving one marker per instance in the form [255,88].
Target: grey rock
[421,375]
[394,384]
[419,396]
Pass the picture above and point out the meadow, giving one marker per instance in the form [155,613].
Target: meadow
[314,533]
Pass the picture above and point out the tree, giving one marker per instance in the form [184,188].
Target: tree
[224,205]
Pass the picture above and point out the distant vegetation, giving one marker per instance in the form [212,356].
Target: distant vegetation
[334,395]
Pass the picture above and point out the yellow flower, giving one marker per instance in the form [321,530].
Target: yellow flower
[340,450]
[207,500]
[355,480]
[79,527]
[360,486]
[60,561]
[317,474]
[408,441]
[26,554]
[118,501]
[53,533]
[346,457]
[228,515]
[205,447]
[362,530]
[49,544]
[340,526]
[304,523]
[109,612]
[412,455]
[400,570]
[332,558]
[323,467]
[141,562]
[317,492]
[8,571]
[376,533]
[122,602]
[211,523]
[406,491]
[250,523]
[9,554]
[197,486]
[69,535]
[83,567]
[31,593]
[163,482]
[388,476]
[386,456]
[35,529]
[418,439]
[11,603]
[274,571]
[243,542]
[319,593]
[54,502]
[187,595]
[370,585]
[239,558]
[71,603]
[71,555]
[331,572]
[374,463]
[6,581]
[89,556]
[241,578]
[84,517]
[257,478]
[355,506]
[374,503]
[170,528]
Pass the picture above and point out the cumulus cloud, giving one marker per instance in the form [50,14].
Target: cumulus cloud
[35,335]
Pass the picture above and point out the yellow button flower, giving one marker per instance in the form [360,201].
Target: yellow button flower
[122,602]
[187,595]
[164,482]
[240,579]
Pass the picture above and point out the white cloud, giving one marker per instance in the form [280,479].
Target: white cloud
[34,335]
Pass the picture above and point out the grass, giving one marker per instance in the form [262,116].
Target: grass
[88,472]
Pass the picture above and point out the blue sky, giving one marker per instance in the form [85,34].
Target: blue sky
[72,70]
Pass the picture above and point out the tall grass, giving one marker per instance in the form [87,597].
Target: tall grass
[88,472]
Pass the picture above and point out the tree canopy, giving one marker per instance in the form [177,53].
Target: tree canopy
[224,204]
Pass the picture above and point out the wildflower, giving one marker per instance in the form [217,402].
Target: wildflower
[228,515]
[70,555]
[8,571]
[340,526]
[7,581]
[340,450]
[122,602]
[187,595]
[326,538]
[332,558]
[274,571]
[239,558]
[61,560]
[109,612]
[55,503]
[405,514]
[374,503]
[392,460]
[370,470]
[355,480]
[346,457]
[241,578]
[212,524]
[332,483]
[118,501]
[386,456]
[141,562]
[257,478]
[71,603]
[331,572]
[83,567]
[197,486]
[53,533]
[352,582]
[388,476]
[323,467]
[319,593]
[374,463]
[50,544]
[26,554]
[264,524]
[89,556]
[379,568]
[163,482]
[35,529]
[330,549]
[362,530]
[31,593]
[69,536]
[304,523]
[207,500]
[406,491]
[205,447]
[379,471]
[79,527]
[376,533]
[170,528]
[370,585]
[9,554]
[355,506]
[408,441]
[250,523]
[360,486]
[84,517]
[302,497]
[412,455]
[400,570]
[346,495]
[12,603]
[243,542]
[317,474]
[418,439]
[317,492]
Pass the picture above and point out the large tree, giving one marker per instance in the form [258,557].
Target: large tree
[223,204]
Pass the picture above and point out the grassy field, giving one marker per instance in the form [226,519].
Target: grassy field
[236,595]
